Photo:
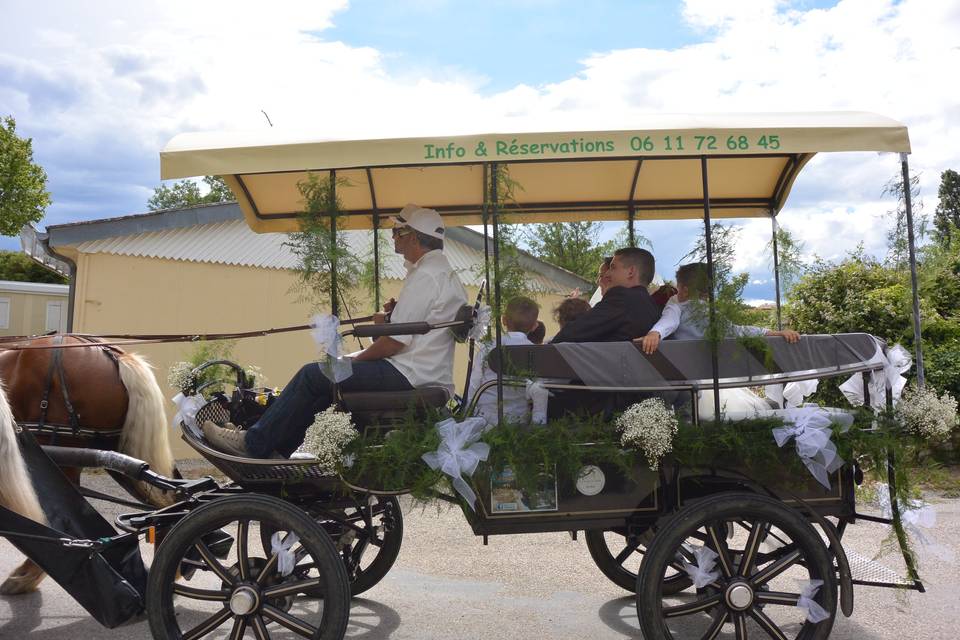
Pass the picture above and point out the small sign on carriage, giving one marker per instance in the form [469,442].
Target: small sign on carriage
[507,495]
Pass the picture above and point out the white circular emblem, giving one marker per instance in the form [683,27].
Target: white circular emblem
[590,480]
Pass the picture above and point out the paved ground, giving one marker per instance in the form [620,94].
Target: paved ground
[446,584]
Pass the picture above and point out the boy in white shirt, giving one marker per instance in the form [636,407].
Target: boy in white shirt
[684,321]
[519,317]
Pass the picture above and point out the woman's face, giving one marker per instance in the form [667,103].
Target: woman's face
[603,280]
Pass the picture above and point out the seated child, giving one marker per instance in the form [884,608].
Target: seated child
[519,317]
[569,310]
[538,333]
[685,321]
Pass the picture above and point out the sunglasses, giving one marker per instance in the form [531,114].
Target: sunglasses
[399,232]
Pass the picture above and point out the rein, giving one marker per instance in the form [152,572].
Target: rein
[129,339]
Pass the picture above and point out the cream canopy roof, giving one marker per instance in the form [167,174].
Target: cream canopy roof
[653,169]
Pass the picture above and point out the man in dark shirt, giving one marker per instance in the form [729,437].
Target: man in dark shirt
[626,311]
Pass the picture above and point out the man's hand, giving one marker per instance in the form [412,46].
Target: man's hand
[650,342]
[789,335]
[379,318]
[389,305]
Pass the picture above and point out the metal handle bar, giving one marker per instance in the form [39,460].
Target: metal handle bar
[402,328]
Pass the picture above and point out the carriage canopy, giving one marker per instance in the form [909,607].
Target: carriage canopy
[651,171]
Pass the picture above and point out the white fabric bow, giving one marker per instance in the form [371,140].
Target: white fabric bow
[896,362]
[539,397]
[815,613]
[480,324]
[810,428]
[922,516]
[702,572]
[283,549]
[459,453]
[791,394]
[326,334]
[187,408]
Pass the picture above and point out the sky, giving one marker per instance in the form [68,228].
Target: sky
[101,87]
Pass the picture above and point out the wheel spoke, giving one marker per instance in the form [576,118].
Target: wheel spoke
[767,624]
[268,569]
[288,588]
[260,628]
[213,563]
[290,622]
[201,594]
[757,534]
[774,569]
[714,629]
[778,597]
[720,546]
[208,625]
[740,626]
[239,628]
[691,607]
[243,528]
[627,551]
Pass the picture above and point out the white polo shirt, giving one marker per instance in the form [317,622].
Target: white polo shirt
[432,293]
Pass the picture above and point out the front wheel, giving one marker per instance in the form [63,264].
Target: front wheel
[619,556]
[251,588]
[757,559]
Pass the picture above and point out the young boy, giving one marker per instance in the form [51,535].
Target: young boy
[685,322]
[569,310]
[519,317]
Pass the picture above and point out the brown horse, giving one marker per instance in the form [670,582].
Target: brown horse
[93,396]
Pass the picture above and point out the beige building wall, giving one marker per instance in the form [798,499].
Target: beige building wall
[135,295]
[28,308]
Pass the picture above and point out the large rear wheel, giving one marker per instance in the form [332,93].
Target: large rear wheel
[619,556]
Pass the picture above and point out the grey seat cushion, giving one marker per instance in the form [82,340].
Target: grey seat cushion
[393,401]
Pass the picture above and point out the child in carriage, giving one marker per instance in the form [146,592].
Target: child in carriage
[684,318]
[519,317]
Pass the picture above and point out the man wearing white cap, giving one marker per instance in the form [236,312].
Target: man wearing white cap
[431,293]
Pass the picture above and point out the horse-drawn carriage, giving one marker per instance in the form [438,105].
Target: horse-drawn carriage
[284,544]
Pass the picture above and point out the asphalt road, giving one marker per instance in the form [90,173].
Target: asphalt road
[446,584]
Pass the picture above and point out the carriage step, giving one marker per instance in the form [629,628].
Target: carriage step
[870,572]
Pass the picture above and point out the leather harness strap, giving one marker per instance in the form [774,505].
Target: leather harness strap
[56,367]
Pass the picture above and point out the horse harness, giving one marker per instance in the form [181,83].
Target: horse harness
[74,429]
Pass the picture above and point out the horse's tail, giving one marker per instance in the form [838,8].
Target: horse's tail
[16,488]
[145,427]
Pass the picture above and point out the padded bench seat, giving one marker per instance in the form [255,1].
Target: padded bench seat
[421,398]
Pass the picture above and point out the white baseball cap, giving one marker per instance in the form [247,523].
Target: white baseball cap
[426,221]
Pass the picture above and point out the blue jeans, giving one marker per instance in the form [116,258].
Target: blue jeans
[283,426]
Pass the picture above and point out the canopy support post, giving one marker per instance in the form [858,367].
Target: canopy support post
[332,211]
[907,200]
[708,244]
[776,269]
[631,232]
[486,231]
[376,243]
[494,196]
[632,211]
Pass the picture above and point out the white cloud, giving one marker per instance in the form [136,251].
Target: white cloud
[102,86]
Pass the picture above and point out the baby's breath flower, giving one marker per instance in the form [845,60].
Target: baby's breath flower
[327,437]
[180,377]
[650,427]
[255,376]
[927,415]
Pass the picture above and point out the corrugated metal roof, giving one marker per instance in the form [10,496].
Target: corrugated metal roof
[233,243]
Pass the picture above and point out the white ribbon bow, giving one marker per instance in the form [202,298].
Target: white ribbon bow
[459,453]
[539,397]
[187,408]
[922,516]
[810,428]
[326,334]
[896,362]
[702,572]
[283,549]
[815,613]
[480,324]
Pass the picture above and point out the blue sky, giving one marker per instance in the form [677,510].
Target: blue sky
[102,87]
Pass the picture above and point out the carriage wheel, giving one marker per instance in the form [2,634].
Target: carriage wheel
[246,592]
[766,554]
[619,557]
[367,537]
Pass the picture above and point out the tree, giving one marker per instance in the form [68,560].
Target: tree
[946,219]
[186,193]
[791,265]
[20,268]
[573,246]
[897,239]
[723,241]
[23,185]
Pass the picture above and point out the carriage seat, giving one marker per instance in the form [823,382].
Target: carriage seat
[390,407]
